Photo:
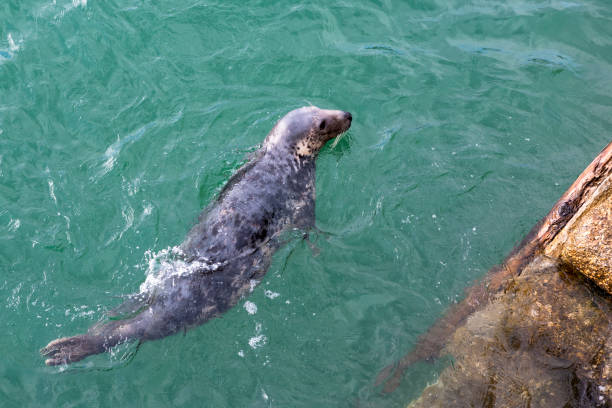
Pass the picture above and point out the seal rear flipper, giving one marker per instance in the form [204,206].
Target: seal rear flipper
[71,349]
[98,339]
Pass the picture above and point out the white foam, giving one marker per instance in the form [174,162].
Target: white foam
[147,210]
[271,295]
[168,263]
[259,340]
[250,307]
[253,283]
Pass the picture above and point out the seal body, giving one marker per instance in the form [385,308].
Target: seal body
[231,245]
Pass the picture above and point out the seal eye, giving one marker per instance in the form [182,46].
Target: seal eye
[322,125]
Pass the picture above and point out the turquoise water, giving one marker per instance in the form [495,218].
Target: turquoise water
[121,119]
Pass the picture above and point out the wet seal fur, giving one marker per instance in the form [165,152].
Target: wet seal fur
[231,245]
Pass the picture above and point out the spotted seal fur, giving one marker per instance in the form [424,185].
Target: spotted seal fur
[230,246]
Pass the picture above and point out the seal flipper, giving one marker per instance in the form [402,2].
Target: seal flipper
[99,339]
[304,217]
[71,349]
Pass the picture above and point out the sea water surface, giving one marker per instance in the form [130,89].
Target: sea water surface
[121,119]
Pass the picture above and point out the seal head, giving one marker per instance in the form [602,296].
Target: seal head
[304,131]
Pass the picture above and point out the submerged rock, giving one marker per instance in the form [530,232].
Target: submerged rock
[545,342]
[536,331]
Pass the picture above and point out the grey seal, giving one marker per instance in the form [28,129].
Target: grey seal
[230,246]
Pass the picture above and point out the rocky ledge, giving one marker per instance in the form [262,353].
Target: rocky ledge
[537,331]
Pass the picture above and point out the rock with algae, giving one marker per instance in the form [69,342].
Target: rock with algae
[486,331]
[545,342]
[586,241]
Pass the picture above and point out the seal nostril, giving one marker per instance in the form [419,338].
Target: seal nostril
[348,116]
